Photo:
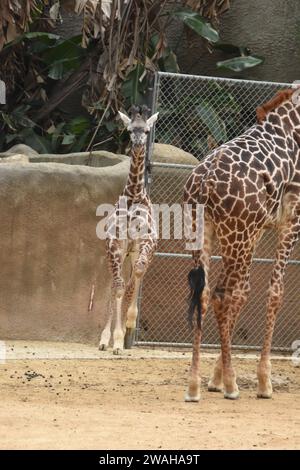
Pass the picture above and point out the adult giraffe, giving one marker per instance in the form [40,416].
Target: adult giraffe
[130,231]
[246,185]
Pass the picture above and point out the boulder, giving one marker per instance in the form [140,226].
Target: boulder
[165,153]
[167,182]
[21,149]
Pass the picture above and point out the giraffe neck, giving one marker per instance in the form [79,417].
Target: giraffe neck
[286,116]
[135,186]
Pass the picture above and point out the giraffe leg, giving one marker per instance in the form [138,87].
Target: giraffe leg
[221,302]
[117,293]
[215,383]
[288,236]
[238,301]
[201,258]
[229,298]
[118,334]
[140,262]
[193,393]
[115,257]
[132,313]
[131,307]
[106,333]
[129,292]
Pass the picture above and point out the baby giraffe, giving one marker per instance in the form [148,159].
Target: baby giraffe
[130,231]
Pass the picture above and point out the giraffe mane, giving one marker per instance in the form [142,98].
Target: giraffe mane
[281,96]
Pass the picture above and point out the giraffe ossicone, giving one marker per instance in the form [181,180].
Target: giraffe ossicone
[246,185]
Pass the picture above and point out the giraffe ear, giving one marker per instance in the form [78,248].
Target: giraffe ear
[152,120]
[296,96]
[126,120]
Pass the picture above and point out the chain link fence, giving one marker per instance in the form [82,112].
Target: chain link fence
[197,114]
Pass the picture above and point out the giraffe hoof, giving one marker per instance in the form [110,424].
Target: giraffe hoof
[232,395]
[129,338]
[265,395]
[214,388]
[102,347]
[117,351]
[188,398]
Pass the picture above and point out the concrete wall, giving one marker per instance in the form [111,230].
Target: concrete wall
[50,256]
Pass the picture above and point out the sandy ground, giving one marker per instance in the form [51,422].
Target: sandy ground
[66,396]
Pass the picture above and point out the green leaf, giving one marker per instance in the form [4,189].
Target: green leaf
[60,67]
[26,122]
[153,44]
[213,121]
[135,83]
[64,50]
[78,125]
[47,37]
[168,63]
[198,24]
[56,71]
[39,34]
[68,139]
[37,142]
[134,89]
[237,64]
[10,138]
[79,144]
[7,119]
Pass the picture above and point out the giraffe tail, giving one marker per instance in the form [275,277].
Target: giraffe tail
[196,279]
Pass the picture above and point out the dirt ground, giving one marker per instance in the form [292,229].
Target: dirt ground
[60,396]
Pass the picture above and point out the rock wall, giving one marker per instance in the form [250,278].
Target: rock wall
[50,256]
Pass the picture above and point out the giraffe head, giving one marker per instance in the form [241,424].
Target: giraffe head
[138,124]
